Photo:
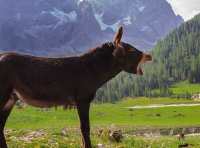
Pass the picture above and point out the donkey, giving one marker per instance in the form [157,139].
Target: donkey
[67,81]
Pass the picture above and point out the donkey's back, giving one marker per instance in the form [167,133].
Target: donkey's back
[43,82]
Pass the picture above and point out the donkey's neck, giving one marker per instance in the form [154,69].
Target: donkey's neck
[101,64]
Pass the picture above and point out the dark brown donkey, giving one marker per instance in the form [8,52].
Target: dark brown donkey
[70,81]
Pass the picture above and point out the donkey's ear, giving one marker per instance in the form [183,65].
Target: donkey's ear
[118,36]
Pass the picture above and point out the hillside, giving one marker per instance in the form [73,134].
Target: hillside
[66,27]
[176,58]
[179,53]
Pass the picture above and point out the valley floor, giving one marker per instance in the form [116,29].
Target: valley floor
[33,127]
[70,138]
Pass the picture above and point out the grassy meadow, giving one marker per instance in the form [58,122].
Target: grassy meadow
[182,89]
[49,124]
[107,114]
[185,87]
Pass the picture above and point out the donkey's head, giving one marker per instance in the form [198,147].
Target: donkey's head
[128,56]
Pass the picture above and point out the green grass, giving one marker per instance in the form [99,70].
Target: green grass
[185,87]
[127,102]
[181,89]
[54,139]
[107,114]
[34,118]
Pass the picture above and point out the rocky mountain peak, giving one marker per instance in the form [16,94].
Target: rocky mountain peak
[63,27]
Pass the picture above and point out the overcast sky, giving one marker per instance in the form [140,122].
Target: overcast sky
[186,8]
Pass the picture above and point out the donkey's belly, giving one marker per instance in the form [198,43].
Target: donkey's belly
[45,101]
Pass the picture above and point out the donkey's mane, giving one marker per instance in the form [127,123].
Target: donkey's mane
[108,45]
[102,50]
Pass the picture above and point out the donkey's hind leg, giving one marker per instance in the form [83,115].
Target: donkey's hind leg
[6,105]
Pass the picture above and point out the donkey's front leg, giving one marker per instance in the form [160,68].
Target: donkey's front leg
[5,109]
[83,111]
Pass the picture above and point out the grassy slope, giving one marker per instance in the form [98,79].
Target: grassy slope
[185,87]
[182,88]
[107,114]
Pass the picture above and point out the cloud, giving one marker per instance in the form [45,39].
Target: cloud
[186,8]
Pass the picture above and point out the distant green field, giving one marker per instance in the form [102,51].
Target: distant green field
[181,89]
[185,87]
[107,114]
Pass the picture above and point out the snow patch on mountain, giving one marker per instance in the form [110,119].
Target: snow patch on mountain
[104,26]
[141,8]
[72,16]
[127,20]
[145,28]
[64,17]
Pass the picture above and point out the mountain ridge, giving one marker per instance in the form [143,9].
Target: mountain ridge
[65,27]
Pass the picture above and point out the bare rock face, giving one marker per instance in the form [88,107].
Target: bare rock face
[65,27]
[146,21]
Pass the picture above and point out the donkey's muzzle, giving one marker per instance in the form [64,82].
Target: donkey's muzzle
[147,57]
